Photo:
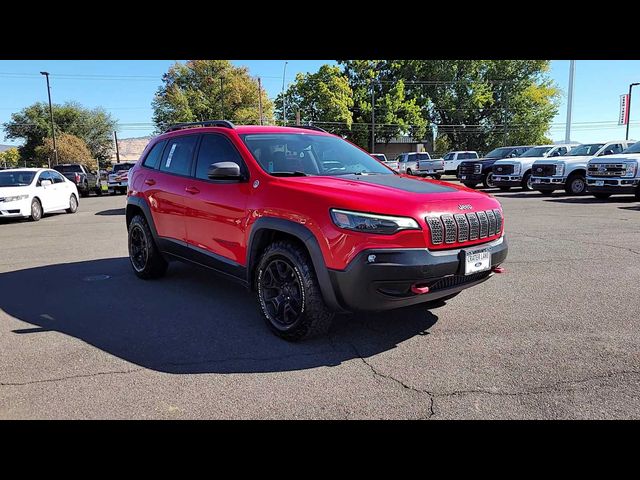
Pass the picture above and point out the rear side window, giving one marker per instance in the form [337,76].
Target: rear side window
[153,158]
[178,154]
[214,149]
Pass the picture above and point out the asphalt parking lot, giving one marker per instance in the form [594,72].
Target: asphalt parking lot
[557,336]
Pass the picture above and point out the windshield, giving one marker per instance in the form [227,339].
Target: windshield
[423,156]
[536,152]
[16,178]
[499,152]
[635,148]
[586,149]
[308,154]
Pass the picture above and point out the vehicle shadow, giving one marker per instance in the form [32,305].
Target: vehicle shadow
[112,211]
[632,207]
[190,321]
[587,200]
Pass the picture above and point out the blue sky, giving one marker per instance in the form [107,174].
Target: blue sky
[126,88]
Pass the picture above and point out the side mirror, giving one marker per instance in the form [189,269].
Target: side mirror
[45,183]
[224,171]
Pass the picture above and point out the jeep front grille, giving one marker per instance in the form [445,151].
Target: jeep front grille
[460,228]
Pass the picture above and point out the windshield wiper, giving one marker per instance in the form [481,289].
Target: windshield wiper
[295,173]
[356,173]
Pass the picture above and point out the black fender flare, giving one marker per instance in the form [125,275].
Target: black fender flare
[144,206]
[303,234]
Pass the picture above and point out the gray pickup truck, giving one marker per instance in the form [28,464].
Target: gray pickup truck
[86,181]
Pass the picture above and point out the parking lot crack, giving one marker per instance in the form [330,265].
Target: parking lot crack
[70,377]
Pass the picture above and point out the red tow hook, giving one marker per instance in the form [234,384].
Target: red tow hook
[419,290]
[498,270]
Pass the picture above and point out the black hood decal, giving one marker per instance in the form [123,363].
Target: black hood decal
[412,185]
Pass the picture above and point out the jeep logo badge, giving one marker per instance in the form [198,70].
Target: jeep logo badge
[465,206]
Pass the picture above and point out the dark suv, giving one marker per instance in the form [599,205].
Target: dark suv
[471,173]
[309,221]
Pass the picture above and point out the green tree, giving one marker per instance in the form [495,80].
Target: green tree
[192,91]
[483,104]
[93,126]
[395,113]
[10,158]
[323,97]
[71,149]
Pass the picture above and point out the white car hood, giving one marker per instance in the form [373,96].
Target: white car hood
[616,158]
[565,159]
[13,191]
[510,161]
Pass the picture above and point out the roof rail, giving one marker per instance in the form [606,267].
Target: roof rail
[311,127]
[205,123]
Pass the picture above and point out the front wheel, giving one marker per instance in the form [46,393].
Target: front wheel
[575,185]
[487,180]
[36,210]
[145,258]
[289,294]
[409,172]
[73,204]
[527,186]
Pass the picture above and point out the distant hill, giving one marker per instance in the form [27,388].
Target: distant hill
[6,147]
[131,148]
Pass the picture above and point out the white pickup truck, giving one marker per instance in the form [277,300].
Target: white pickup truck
[452,160]
[118,178]
[420,163]
[516,172]
[570,171]
[615,175]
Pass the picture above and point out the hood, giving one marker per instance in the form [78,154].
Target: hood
[13,191]
[510,161]
[565,159]
[391,194]
[616,158]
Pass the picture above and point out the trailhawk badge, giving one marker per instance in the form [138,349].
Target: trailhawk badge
[464,206]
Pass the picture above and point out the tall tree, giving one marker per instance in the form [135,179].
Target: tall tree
[93,126]
[324,98]
[71,149]
[482,104]
[193,91]
[395,113]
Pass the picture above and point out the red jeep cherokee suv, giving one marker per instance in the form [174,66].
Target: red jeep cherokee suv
[309,221]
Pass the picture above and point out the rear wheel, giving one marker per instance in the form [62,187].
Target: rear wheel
[145,258]
[601,196]
[409,172]
[438,176]
[36,210]
[73,204]
[289,294]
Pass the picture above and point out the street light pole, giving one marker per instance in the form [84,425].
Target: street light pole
[572,70]
[629,109]
[53,132]
[373,117]
[284,99]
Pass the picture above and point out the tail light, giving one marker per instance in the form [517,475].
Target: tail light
[77,178]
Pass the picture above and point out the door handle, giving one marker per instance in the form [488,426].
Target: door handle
[192,190]
[150,182]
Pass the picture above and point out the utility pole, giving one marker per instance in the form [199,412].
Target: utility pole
[284,99]
[222,97]
[297,117]
[629,109]
[260,99]
[572,69]
[53,132]
[115,138]
[373,117]
[506,111]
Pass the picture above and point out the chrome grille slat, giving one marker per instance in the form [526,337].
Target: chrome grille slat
[460,228]
[492,222]
[450,230]
[474,226]
[484,224]
[463,227]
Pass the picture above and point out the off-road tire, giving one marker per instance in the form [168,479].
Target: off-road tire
[314,318]
[152,265]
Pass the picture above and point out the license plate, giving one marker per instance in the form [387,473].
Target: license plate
[599,183]
[477,261]
[463,177]
[536,180]
[497,179]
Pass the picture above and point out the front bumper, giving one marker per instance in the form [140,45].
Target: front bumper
[385,283]
[548,183]
[19,209]
[507,180]
[470,177]
[626,186]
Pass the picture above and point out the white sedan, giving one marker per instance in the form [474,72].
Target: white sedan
[32,192]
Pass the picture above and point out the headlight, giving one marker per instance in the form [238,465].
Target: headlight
[559,168]
[631,169]
[371,223]
[16,198]
[477,168]
[516,168]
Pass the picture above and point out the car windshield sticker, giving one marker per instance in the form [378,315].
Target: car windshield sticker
[173,149]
